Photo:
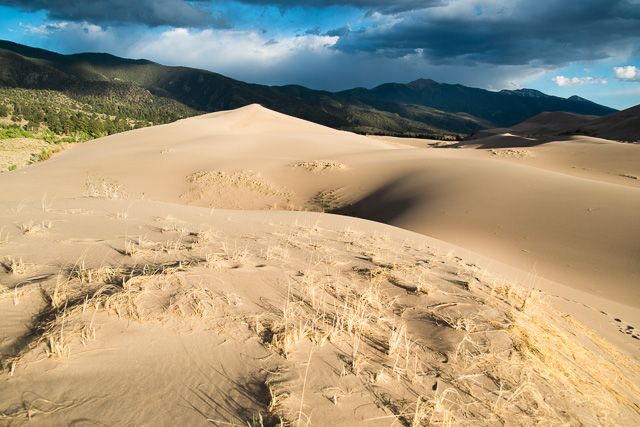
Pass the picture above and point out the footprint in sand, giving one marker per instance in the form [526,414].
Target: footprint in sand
[627,329]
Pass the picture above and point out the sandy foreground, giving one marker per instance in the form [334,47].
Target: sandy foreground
[155,278]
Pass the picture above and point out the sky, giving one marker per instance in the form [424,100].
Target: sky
[589,48]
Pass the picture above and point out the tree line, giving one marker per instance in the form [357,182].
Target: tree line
[82,117]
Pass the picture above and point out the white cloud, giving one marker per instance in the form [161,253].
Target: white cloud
[85,37]
[563,81]
[225,51]
[629,72]
[45,28]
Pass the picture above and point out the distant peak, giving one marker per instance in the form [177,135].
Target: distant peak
[530,93]
[421,83]
[576,98]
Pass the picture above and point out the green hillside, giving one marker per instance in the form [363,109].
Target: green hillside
[110,94]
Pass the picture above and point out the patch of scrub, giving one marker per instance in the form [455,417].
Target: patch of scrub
[510,152]
[320,166]
[224,189]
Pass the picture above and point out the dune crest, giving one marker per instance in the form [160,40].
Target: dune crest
[255,118]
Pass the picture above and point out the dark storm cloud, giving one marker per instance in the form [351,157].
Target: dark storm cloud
[153,13]
[342,31]
[382,6]
[545,32]
[315,31]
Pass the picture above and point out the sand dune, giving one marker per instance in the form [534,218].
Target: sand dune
[157,161]
[571,230]
[524,214]
[563,209]
[621,126]
[134,292]
[543,124]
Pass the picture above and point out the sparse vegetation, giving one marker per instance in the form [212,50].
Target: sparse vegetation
[512,153]
[56,118]
[320,166]
[103,188]
[421,338]
[245,179]
[213,186]
[628,175]
[46,154]
[327,201]
[32,228]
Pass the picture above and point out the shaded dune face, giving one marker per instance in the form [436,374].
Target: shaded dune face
[173,273]
[574,231]
[621,126]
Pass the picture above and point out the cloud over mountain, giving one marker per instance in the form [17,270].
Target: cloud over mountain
[540,32]
[337,44]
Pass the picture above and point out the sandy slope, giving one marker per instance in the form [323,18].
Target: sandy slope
[517,212]
[147,313]
[560,210]
[155,306]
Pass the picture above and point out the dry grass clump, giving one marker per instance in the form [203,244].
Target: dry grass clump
[33,229]
[140,246]
[174,227]
[205,236]
[145,293]
[280,249]
[503,356]
[104,188]
[245,179]
[323,310]
[513,153]
[277,397]
[276,252]
[244,189]
[225,255]
[320,166]
[523,361]
[15,294]
[192,303]
[13,266]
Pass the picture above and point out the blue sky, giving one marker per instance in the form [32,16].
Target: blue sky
[589,48]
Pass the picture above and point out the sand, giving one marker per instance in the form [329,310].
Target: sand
[153,278]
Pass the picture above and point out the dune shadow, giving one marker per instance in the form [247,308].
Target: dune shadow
[385,204]
[223,399]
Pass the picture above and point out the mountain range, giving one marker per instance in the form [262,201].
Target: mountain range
[420,108]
